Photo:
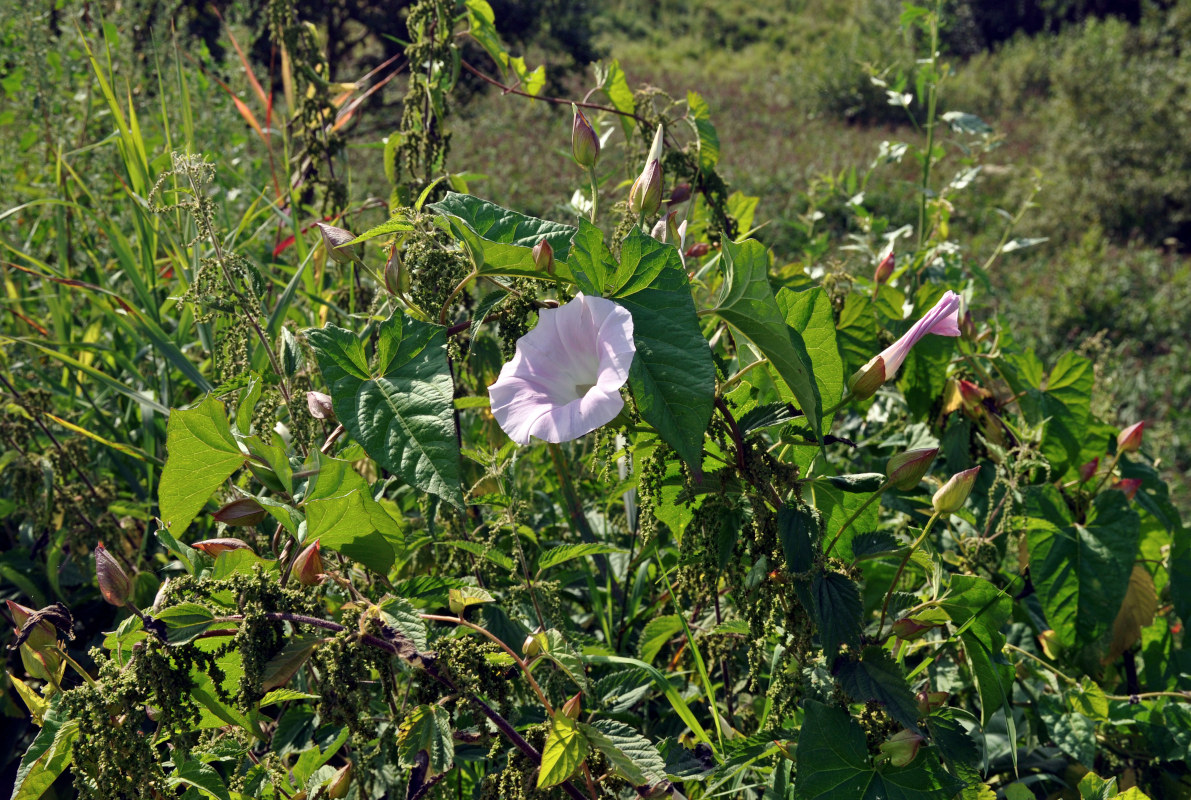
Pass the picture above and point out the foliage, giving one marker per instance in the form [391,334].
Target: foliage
[721,593]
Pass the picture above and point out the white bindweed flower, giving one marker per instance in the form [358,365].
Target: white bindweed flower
[564,380]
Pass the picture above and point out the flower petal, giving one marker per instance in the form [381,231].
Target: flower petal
[942,320]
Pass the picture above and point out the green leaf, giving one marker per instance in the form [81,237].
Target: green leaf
[284,696]
[202,777]
[398,223]
[467,596]
[202,454]
[288,660]
[834,744]
[357,526]
[799,533]
[837,610]
[427,728]
[185,621]
[1063,397]
[857,332]
[615,84]
[566,552]
[952,738]
[980,609]
[876,677]
[399,410]
[556,649]
[748,305]
[709,140]
[48,756]
[481,24]
[630,753]
[874,543]
[590,259]
[655,634]
[566,747]
[673,374]
[662,682]
[837,507]
[481,550]
[863,483]
[812,325]
[1081,572]
[499,241]
[401,614]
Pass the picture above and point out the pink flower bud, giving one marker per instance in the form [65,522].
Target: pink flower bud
[905,470]
[1129,486]
[902,748]
[585,145]
[698,250]
[213,547]
[952,495]
[334,240]
[340,783]
[930,701]
[320,405]
[910,629]
[1088,470]
[241,513]
[884,269]
[572,708]
[646,194]
[1129,440]
[308,566]
[114,584]
[865,381]
[393,273]
[680,194]
[543,257]
[973,396]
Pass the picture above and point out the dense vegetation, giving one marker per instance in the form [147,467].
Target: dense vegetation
[844,494]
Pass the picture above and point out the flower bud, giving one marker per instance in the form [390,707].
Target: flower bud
[114,584]
[393,273]
[967,326]
[680,194]
[911,629]
[952,495]
[213,547]
[340,783]
[573,707]
[973,396]
[1088,470]
[308,566]
[1129,486]
[1129,440]
[698,250]
[334,240]
[531,647]
[905,470]
[585,145]
[320,405]
[865,382]
[902,748]
[240,513]
[930,701]
[646,194]
[543,257]
[884,269]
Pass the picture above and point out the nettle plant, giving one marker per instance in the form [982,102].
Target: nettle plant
[636,513]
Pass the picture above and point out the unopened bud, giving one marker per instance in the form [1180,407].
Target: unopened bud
[952,495]
[698,250]
[214,547]
[646,194]
[308,566]
[320,405]
[911,629]
[902,748]
[680,194]
[573,707]
[1129,486]
[973,396]
[930,701]
[884,269]
[240,513]
[905,470]
[1088,470]
[1129,440]
[114,584]
[543,257]
[393,273]
[585,145]
[334,240]
[967,326]
[865,381]
[339,784]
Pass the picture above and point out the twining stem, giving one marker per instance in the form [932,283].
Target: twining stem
[595,193]
[516,659]
[854,517]
[1184,696]
[442,317]
[901,568]
[932,96]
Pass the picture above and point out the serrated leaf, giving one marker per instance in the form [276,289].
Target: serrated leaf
[747,304]
[566,747]
[566,552]
[952,738]
[398,223]
[655,634]
[798,532]
[876,677]
[831,741]
[837,609]
[287,661]
[672,377]
[202,455]
[428,729]
[284,696]
[400,409]
[630,753]
[862,483]
[185,621]
[482,551]
[401,614]
[465,596]
[201,776]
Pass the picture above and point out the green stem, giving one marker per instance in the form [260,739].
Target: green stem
[1116,458]
[931,102]
[902,567]
[854,517]
[595,193]
[843,401]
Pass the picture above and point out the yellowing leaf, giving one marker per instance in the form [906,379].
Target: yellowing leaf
[566,747]
[1137,612]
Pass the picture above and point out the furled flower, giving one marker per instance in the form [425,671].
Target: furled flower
[564,380]
[334,240]
[1129,440]
[241,513]
[645,195]
[543,257]
[942,320]
[905,470]
[114,584]
[1129,486]
[585,145]
[320,405]
[308,566]
[884,269]
[952,495]
[1088,470]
